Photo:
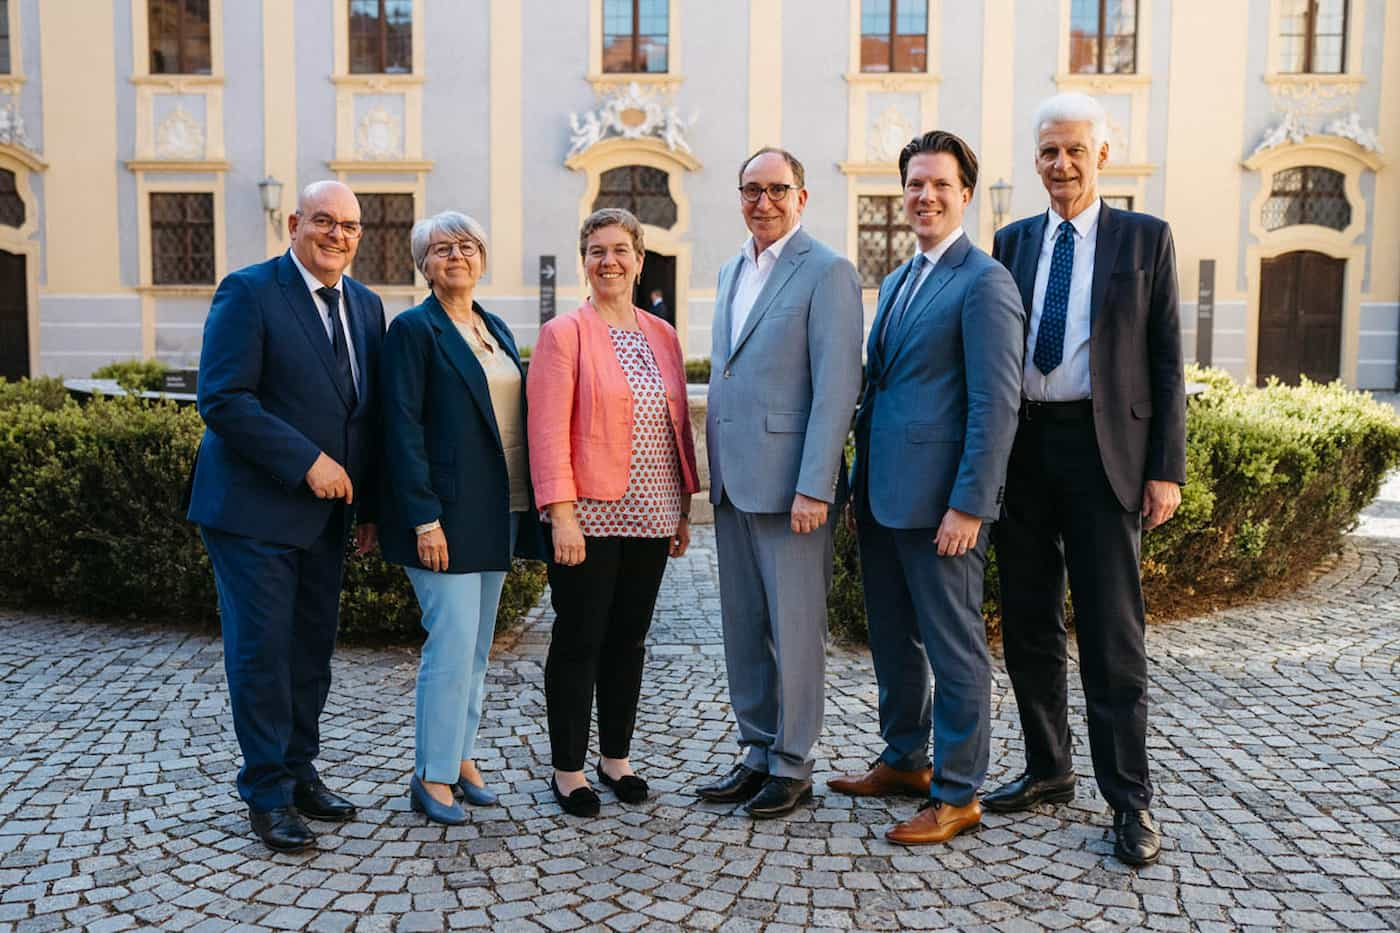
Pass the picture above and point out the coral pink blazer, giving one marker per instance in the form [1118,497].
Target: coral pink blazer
[580,422]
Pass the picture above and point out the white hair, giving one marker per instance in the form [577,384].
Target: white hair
[454,224]
[1072,107]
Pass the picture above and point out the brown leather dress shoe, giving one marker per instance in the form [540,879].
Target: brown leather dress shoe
[881,780]
[936,821]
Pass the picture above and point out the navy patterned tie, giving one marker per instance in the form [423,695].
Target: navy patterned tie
[1050,340]
[339,347]
[911,283]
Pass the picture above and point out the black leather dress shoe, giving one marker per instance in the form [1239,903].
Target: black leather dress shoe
[316,800]
[739,785]
[1136,840]
[281,829]
[1028,791]
[779,796]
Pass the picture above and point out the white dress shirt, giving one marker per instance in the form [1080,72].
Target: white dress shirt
[753,275]
[931,256]
[1070,380]
[312,284]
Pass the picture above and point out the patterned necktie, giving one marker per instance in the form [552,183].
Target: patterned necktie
[1050,341]
[339,348]
[911,283]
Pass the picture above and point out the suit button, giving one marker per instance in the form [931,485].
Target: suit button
[726,374]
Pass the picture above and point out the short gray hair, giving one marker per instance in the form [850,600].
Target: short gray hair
[611,217]
[454,224]
[1072,107]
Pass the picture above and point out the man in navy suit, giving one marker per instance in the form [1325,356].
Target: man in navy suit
[1100,455]
[286,389]
[933,433]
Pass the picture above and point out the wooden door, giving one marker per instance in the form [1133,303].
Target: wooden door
[14,318]
[1300,317]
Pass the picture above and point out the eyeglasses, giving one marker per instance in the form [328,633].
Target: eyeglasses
[752,193]
[467,248]
[325,223]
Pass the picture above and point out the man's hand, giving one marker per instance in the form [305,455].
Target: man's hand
[1160,499]
[807,514]
[328,480]
[681,539]
[366,537]
[957,533]
[432,550]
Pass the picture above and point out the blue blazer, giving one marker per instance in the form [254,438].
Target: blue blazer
[271,404]
[443,455]
[942,395]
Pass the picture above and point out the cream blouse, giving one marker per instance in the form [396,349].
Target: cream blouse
[503,380]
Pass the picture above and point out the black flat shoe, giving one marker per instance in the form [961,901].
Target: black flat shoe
[739,785]
[1029,791]
[779,796]
[316,800]
[582,802]
[629,788]
[281,829]
[1136,840]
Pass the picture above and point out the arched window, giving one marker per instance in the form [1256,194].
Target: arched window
[11,207]
[641,189]
[1307,194]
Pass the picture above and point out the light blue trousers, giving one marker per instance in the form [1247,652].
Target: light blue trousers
[459,614]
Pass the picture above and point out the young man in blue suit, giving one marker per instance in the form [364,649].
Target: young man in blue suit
[933,433]
[286,389]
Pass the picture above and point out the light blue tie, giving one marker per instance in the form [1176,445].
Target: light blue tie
[1050,341]
[911,283]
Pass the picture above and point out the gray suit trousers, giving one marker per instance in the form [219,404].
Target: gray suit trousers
[773,585]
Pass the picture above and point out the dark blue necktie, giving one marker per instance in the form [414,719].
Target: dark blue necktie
[339,347]
[1050,340]
[897,313]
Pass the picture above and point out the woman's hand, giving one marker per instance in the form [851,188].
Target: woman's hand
[432,550]
[681,539]
[568,537]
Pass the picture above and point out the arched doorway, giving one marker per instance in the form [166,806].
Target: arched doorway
[658,275]
[1301,297]
[14,282]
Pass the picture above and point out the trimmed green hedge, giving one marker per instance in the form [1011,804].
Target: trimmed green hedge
[697,371]
[1275,477]
[90,519]
[135,375]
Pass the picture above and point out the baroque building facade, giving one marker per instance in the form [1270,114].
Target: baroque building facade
[147,147]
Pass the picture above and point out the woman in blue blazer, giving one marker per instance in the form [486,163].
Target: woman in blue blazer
[457,501]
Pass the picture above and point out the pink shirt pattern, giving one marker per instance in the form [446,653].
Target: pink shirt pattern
[651,505]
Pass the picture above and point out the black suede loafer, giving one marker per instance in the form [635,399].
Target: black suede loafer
[739,785]
[281,829]
[778,796]
[316,800]
[629,788]
[582,802]
[1136,840]
[1029,791]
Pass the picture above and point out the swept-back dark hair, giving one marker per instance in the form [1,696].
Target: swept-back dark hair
[941,141]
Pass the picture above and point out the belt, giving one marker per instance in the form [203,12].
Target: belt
[1077,410]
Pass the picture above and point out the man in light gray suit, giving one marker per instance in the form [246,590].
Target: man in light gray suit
[933,435]
[785,373]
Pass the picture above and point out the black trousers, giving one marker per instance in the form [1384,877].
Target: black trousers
[602,611]
[1061,514]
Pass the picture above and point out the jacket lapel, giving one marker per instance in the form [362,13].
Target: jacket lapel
[724,311]
[304,310]
[464,361]
[1027,258]
[358,316]
[1106,244]
[927,294]
[794,254]
[889,291]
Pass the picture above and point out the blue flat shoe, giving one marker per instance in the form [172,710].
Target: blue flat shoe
[476,796]
[449,814]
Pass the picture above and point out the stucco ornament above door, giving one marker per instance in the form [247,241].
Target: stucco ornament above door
[1296,128]
[179,136]
[888,135]
[12,131]
[380,136]
[630,113]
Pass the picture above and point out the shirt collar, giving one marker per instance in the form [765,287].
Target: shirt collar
[775,249]
[1084,223]
[313,284]
[936,253]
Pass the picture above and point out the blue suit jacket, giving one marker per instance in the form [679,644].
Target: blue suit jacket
[443,457]
[271,404]
[939,412]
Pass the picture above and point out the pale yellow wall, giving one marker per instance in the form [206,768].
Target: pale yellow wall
[998,96]
[279,113]
[78,70]
[507,162]
[765,73]
[1385,232]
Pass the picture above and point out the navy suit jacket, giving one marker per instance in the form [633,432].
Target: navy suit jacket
[939,412]
[271,404]
[1135,366]
[443,456]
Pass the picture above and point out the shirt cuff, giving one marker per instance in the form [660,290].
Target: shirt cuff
[433,525]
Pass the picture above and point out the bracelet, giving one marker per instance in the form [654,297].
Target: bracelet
[433,525]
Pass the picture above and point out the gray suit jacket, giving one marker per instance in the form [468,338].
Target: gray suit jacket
[781,397]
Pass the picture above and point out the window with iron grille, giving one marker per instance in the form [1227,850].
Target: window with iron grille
[182,238]
[1103,37]
[381,36]
[179,37]
[5,66]
[384,257]
[1307,194]
[1122,202]
[883,239]
[894,35]
[636,36]
[11,206]
[641,189]
[1312,37]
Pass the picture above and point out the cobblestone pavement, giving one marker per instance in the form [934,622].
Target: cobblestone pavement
[1275,741]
